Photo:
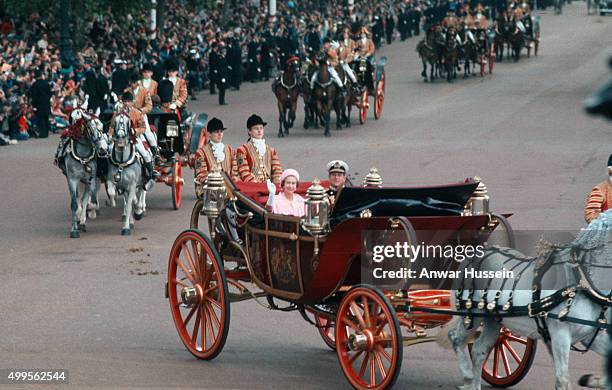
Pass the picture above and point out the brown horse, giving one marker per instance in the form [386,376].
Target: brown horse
[324,93]
[429,50]
[451,54]
[287,91]
[310,118]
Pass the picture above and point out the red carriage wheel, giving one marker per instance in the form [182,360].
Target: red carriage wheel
[194,222]
[380,97]
[326,330]
[198,294]
[177,184]
[369,340]
[509,360]
[363,106]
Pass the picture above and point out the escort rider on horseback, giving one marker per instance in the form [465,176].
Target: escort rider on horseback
[330,55]
[138,128]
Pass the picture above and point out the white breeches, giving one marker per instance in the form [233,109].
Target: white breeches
[149,135]
[349,72]
[332,73]
[144,153]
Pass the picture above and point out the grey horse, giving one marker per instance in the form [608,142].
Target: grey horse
[81,149]
[576,275]
[125,173]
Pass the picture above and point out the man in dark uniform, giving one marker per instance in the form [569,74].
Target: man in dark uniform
[312,41]
[234,61]
[403,24]
[377,31]
[389,27]
[90,87]
[222,74]
[266,59]
[213,60]
[120,77]
[252,57]
[337,170]
[416,14]
[192,64]
[102,88]
[40,96]
[284,46]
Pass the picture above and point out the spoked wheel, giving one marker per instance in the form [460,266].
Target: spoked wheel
[380,97]
[194,222]
[509,360]
[198,294]
[369,340]
[326,328]
[363,106]
[177,184]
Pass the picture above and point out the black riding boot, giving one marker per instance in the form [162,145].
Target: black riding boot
[148,174]
[156,156]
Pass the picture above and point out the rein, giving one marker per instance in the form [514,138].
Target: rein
[289,87]
[121,164]
[83,161]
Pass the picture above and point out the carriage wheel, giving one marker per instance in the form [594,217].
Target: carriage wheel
[363,106]
[198,294]
[380,97]
[501,370]
[177,184]
[195,214]
[326,328]
[369,342]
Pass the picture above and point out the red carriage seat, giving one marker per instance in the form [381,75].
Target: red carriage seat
[258,192]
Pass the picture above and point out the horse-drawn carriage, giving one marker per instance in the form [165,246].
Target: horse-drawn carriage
[177,140]
[371,85]
[315,265]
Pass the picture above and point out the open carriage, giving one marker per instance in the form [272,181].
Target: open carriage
[376,90]
[314,265]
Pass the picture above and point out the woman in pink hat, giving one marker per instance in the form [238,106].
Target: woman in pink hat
[287,202]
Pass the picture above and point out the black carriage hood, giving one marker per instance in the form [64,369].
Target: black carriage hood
[408,202]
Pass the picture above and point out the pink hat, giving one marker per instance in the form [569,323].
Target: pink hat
[289,172]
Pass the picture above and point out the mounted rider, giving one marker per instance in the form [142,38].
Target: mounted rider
[138,127]
[143,102]
[329,54]
[257,162]
[214,155]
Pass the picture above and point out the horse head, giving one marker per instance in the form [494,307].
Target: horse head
[123,129]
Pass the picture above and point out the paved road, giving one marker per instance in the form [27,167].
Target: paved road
[96,306]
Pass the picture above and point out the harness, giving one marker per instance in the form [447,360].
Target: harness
[120,164]
[84,161]
[289,87]
[539,308]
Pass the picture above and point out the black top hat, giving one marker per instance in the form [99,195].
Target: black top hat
[147,67]
[255,120]
[164,90]
[171,64]
[134,78]
[127,97]
[610,161]
[215,125]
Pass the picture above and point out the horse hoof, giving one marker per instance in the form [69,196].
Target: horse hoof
[75,234]
[328,134]
[137,216]
[82,227]
[125,232]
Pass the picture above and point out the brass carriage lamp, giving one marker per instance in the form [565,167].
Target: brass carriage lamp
[478,204]
[214,194]
[373,179]
[316,220]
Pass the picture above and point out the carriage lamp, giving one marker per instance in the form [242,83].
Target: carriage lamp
[317,208]
[172,128]
[478,204]
[214,194]
[373,179]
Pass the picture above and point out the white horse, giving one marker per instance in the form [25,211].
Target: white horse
[125,174]
[574,278]
[79,165]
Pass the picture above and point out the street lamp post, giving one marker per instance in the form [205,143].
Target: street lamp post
[65,41]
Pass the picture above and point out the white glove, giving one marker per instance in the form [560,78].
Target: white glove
[173,106]
[272,192]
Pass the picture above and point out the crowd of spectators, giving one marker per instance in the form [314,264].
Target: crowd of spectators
[115,46]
